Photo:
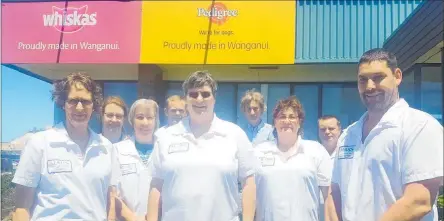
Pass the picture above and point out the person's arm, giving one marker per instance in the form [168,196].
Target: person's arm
[24,199]
[155,170]
[333,203]
[421,172]
[247,167]
[27,177]
[154,199]
[416,202]
[249,199]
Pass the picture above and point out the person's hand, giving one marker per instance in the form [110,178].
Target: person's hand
[122,210]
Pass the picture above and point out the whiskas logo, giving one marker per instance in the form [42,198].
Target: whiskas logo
[71,19]
[218,14]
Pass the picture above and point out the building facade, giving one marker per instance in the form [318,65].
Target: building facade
[329,37]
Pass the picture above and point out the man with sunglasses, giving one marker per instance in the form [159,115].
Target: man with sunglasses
[65,172]
[197,163]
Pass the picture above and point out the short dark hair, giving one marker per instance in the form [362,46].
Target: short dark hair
[326,117]
[200,79]
[379,54]
[62,87]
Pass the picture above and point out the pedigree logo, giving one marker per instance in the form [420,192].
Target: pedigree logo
[218,14]
[70,19]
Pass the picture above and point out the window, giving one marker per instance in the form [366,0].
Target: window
[342,101]
[308,96]
[276,92]
[225,102]
[407,88]
[431,91]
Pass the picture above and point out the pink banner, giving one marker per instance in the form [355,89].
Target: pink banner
[79,32]
[25,38]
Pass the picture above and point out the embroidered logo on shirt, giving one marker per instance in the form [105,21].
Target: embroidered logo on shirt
[59,166]
[267,161]
[346,152]
[128,168]
[178,147]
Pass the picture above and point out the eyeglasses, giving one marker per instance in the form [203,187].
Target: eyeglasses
[75,101]
[284,118]
[112,115]
[195,94]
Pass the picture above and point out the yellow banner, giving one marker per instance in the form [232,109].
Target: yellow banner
[234,32]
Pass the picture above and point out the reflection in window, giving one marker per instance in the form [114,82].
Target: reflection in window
[342,101]
[431,91]
[308,95]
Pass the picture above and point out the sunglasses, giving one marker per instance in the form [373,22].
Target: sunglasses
[75,101]
[195,94]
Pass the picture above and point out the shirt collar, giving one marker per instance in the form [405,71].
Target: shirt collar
[390,118]
[260,125]
[183,127]
[94,138]
[299,149]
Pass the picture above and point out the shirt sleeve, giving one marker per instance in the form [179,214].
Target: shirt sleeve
[29,170]
[247,161]
[422,152]
[155,166]
[116,173]
[325,167]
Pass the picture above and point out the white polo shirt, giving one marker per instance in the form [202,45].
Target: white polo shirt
[289,190]
[200,176]
[69,186]
[134,182]
[405,146]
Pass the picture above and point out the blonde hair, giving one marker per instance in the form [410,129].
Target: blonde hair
[148,102]
[174,98]
[252,95]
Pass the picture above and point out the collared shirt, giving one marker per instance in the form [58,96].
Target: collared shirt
[200,175]
[287,187]
[134,182]
[69,186]
[158,133]
[260,133]
[321,199]
[405,146]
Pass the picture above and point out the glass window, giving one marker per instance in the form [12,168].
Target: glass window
[308,96]
[407,88]
[241,89]
[276,92]
[125,90]
[225,102]
[431,91]
[174,88]
[342,101]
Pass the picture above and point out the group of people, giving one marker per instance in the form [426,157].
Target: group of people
[386,166]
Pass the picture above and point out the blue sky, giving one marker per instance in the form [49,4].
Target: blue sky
[25,102]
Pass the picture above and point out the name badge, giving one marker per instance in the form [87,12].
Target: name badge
[129,168]
[267,161]
[179,147]
[59,166]
[346,152]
